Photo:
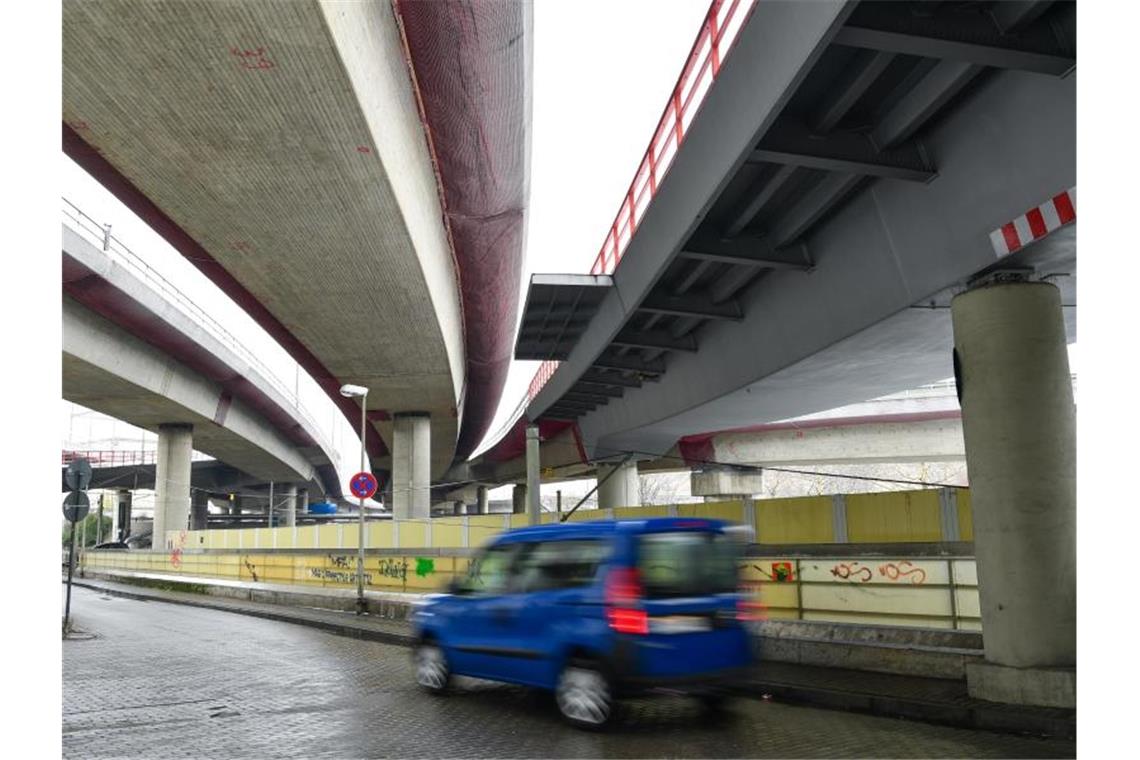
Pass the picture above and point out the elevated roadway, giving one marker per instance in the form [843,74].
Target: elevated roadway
[327,165]
[851,167]
[136,349]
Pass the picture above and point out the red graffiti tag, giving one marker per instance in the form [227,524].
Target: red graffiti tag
[176,553]
[252,59]
[363,149]
[903,569]
[852,572]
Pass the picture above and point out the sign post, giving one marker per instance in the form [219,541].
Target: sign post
[75,507]
[363,486]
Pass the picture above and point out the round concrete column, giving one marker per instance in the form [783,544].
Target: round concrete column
[533,482]
[411,466]
[1019,424]
[518,499]
[172,481]
[482,505]
[302,501]
[289,505]
[622,489]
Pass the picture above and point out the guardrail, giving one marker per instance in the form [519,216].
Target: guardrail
[718,32]
[121,458]
[100,235]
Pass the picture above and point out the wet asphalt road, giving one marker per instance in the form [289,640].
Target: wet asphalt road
[162,680]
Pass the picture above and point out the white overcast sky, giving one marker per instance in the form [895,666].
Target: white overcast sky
[603,72]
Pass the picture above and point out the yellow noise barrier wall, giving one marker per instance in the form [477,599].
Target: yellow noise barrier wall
[921,591]
[899,516]
[926,592]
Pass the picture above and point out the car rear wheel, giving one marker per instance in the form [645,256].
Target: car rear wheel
[432,671]
[583,695]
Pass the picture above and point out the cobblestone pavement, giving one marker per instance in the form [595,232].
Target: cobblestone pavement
[161,680]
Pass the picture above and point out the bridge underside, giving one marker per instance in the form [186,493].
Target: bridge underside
[834,192]
[112,372]
[284,155]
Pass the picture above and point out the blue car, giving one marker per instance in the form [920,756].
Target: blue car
[594,611]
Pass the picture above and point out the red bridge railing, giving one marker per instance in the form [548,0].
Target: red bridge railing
[718,31]
[119,457]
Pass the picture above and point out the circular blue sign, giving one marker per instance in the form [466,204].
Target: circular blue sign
[363,485]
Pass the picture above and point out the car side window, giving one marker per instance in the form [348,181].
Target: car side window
[489,571]
[552,565]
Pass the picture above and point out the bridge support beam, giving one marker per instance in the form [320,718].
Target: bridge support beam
[411,466]
[721,483]
[172,480]
[121,520]
[518,499]
[1019,424]
[302,503]
[482,504]
[533,482]
[199,509]
[622,489]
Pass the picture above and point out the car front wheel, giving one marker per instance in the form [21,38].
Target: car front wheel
[584,696]
[432,671]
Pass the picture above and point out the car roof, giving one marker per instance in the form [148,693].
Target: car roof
[600,528]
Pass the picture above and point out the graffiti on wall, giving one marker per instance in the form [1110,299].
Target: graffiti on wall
[252,568]
[176,551]
[901,571]
[395,568]
[425,566]
[851,571]
[337,576]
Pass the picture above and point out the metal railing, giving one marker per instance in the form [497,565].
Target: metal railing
[121,457]
[718,31]
[100,235]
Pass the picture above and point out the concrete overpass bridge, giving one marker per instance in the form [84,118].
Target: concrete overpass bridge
[353,174]
[136,348]
[843,200]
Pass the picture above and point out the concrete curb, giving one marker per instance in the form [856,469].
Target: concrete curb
[994,717]
[998,717]
[350,630]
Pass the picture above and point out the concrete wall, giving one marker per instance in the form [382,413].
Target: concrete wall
[904,589]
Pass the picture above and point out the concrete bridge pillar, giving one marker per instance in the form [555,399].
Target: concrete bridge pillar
[172,480]
[289,504]
[235,504]
[622,489]
[482,505]
[411,466]
[121,519]
[518,499]
[1019,424]
[533,481]
[199,509]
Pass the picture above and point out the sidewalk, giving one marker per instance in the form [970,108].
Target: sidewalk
[934,700]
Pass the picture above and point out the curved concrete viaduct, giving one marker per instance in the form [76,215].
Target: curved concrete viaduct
[291,156]
[132,354]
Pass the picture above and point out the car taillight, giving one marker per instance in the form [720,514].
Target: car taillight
[749,610]
[623,594]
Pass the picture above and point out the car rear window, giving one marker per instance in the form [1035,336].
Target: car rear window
[687,563]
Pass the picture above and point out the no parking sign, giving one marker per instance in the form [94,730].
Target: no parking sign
[363,485]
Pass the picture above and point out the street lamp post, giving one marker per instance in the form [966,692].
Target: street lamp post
[359,391]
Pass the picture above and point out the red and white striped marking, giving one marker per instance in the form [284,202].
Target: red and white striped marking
[1036,223]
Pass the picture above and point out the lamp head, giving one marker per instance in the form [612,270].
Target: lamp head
[352,391]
